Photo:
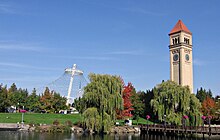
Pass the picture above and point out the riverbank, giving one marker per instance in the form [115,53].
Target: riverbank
[64,128]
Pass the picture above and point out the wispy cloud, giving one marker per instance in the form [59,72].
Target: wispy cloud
[131,9]
[134,52]
[30,78]
[141,11]
[24,66]
[198,62]
[21,46]
[101,58]
[6,8]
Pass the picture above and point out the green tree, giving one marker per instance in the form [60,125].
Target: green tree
[17,97]
[52,101]
[138,104]
[103,93]
[4,101]
[33,102]
[201,94]
[92,119]
[58,102]
[217,113]
[175,101]
[13,88]
[46,101]
[146,98]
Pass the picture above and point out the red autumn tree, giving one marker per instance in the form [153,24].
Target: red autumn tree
[208,106]
[127,100]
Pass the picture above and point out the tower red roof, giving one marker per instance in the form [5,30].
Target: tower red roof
[179,27]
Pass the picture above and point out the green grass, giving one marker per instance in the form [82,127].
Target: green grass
[134,122]
[37,118]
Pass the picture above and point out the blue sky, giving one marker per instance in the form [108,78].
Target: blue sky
[39,39]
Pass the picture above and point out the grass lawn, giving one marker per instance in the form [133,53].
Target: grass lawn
[37,118]
[134,122]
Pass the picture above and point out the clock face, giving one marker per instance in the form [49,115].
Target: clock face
[175,57]
[187,57]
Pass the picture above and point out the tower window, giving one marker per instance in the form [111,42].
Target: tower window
[176,40]
[186,40]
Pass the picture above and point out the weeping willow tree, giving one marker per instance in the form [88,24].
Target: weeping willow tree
[104,94]
[172,101]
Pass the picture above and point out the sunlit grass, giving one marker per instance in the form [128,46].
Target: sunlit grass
[38,118]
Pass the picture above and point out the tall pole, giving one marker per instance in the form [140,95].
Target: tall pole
[73,71]
[70,85]
[22,118]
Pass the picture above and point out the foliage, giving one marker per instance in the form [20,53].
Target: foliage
[59,128]
[69,123]
[33,102]
[126,95]
[208,106]
[103,93]
[17,97]
[201,94]
[49,101]
[56,122]
[52,101]
[4,102]
[217,113]
[138,104]
[175,101]
[92,119]
[145,98]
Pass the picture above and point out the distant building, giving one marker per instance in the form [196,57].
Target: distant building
[181,58]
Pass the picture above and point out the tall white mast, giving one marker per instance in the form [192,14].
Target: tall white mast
[73,71]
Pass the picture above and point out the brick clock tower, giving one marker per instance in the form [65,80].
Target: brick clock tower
[181,60]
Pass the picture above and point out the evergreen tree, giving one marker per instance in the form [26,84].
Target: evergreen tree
[138,104]
[52,102]
[201,94]
[17,97]
[4,100]
[33,102]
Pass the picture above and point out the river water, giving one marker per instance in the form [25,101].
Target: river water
[17,135]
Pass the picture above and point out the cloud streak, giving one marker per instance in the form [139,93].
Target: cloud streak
[24,66]
[101,58]
[197,62]
[20,47]
[126,53]
[141,11]
[7,9]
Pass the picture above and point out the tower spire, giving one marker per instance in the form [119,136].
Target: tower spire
[180,26]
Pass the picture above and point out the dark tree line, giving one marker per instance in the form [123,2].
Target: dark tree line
[12,97]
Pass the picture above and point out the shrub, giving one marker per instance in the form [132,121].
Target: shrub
[69,123]
[56,122]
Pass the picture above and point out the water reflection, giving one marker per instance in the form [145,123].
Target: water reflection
[7,135]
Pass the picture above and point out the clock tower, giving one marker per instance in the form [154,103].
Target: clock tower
[181,64]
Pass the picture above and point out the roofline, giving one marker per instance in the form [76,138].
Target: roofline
[179,32]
